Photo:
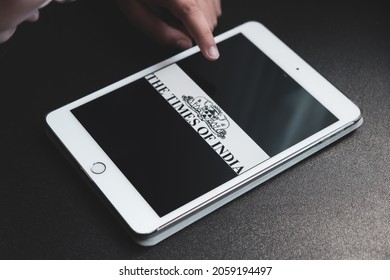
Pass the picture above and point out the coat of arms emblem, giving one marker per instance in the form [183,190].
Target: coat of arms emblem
[210,113]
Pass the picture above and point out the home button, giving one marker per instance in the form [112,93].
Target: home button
[98,168]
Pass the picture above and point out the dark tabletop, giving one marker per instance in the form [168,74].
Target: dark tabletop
[333,205]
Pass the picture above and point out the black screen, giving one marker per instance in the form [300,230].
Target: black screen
[273,109]
[164,157]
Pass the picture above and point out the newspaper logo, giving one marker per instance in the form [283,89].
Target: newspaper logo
[209,113]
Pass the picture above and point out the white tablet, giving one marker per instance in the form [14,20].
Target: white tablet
[170,144]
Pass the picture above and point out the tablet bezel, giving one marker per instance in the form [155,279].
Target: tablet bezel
[130,205]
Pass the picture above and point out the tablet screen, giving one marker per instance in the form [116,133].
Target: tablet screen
[193,125]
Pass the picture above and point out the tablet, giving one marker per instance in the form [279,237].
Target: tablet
[168,145]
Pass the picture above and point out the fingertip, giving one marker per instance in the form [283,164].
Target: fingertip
[212,53]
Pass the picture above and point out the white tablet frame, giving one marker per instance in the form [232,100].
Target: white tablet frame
[126,200]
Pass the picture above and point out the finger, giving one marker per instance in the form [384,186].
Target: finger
[155,27]
[212,11]
[189,12]
[208,9]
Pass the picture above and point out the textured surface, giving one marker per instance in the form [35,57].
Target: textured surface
[334,205]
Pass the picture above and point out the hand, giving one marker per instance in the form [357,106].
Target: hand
[196,19]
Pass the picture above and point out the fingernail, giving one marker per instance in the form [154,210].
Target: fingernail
[213,52]
[183,44]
